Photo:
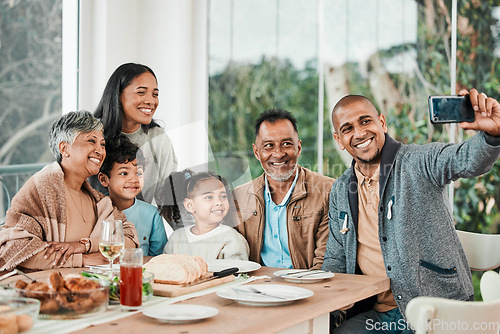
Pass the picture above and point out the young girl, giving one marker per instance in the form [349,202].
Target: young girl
[207,201]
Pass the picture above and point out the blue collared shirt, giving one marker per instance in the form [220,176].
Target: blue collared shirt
[275,252]
[149,226]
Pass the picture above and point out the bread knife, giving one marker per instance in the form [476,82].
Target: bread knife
[215,275]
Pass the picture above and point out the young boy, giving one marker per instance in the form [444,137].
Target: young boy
[122,174]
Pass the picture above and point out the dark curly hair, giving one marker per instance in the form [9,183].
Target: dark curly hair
[120,150]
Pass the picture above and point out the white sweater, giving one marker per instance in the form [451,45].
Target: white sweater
[223,242]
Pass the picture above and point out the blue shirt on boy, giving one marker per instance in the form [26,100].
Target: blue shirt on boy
[149,226]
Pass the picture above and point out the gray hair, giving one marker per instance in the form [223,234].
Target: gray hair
[67,127]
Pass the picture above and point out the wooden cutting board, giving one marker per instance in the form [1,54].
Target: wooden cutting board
[169,290]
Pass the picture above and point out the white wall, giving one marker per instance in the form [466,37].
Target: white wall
[170,36]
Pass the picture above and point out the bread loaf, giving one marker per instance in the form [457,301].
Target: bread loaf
[176,268]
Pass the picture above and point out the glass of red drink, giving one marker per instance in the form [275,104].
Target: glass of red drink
[131,279]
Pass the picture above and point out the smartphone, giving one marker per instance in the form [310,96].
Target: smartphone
[450,109]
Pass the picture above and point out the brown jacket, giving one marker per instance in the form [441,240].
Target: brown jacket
[307,217]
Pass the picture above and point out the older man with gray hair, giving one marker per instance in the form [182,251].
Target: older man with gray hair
[284,212]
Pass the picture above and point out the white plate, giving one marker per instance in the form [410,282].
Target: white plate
[104,267]
[243,266]
[182,313]
[243,295]
[302,276]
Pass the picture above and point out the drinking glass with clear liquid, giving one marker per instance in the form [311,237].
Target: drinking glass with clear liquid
[111,241]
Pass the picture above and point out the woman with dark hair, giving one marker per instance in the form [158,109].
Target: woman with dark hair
[127,106]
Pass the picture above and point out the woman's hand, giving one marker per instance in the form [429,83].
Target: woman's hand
[62,251]
[94,259]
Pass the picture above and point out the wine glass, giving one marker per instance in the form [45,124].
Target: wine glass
[111,241]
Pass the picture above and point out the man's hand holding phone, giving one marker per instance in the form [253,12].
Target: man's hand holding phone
[487,113]
[450,109]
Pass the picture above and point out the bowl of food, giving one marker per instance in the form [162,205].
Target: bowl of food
[69,297]
[114,284]
[17,314]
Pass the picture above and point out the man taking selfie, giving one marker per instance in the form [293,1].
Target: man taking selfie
[389,213]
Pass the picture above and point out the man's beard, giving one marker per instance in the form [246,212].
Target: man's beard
[372,159]
[281,177]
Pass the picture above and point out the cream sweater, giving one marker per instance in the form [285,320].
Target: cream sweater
[223,242]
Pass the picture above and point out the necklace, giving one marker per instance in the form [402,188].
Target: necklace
[80,210]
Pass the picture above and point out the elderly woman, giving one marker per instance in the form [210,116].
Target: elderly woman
[55,219]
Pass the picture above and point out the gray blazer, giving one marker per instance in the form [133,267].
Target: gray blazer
[422,253]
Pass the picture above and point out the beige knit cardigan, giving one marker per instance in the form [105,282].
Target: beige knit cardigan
[38,215]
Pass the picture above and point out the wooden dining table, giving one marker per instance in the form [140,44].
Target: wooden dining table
[310,315]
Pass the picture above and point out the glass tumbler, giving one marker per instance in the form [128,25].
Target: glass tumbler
[131,279]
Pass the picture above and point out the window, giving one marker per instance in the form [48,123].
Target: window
[262,54]
[30,85]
